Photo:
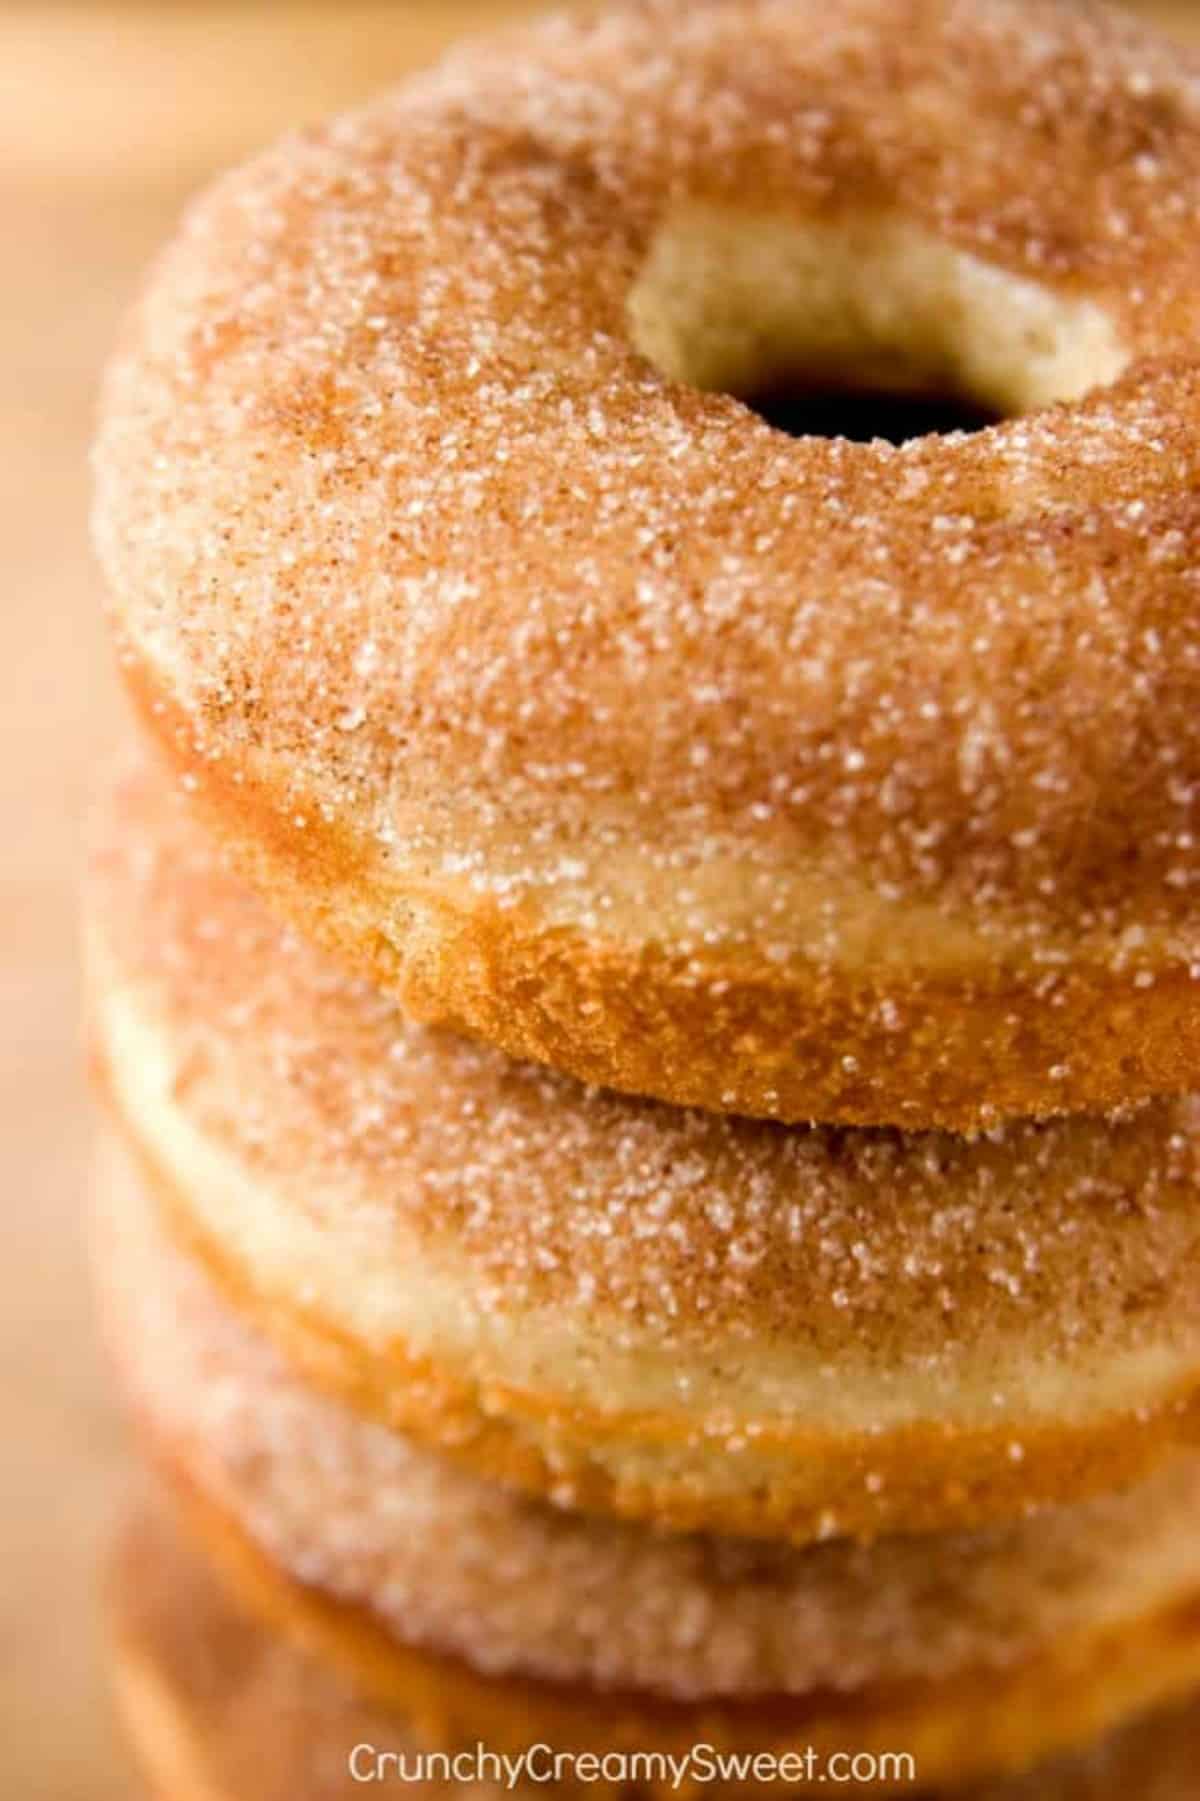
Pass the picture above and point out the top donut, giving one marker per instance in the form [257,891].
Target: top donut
[523,660]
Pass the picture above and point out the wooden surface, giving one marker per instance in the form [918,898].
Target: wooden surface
[109,116]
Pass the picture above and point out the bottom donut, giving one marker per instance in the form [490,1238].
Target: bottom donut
[219,1705]
[485,1615]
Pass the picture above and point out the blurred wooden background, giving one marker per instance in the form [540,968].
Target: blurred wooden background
[109,116]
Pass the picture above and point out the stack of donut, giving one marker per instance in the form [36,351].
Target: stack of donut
[648,994]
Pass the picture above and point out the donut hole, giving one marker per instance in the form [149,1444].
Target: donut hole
[859,328]
[804,410]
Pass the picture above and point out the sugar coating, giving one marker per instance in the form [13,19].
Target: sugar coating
[231,1684]
[392,508]
[513,1586]
[921,1261]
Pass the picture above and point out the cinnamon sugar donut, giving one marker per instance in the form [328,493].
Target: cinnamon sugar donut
[594,716]
[977,1652]
[204,1684]
[714,1322]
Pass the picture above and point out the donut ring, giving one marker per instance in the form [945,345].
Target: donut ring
[204,1680]
[1032,1637]
[598,719]
[714,1323]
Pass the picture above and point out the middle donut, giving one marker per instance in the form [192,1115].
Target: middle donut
[713,1323]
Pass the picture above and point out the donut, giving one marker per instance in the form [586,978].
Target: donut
[513,651]
[714,1323]
[973,1652]
[203,1683]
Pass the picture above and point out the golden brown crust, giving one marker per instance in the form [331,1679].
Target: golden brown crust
[705,1030]
[500,632]
[919,1479]
[972,1326]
